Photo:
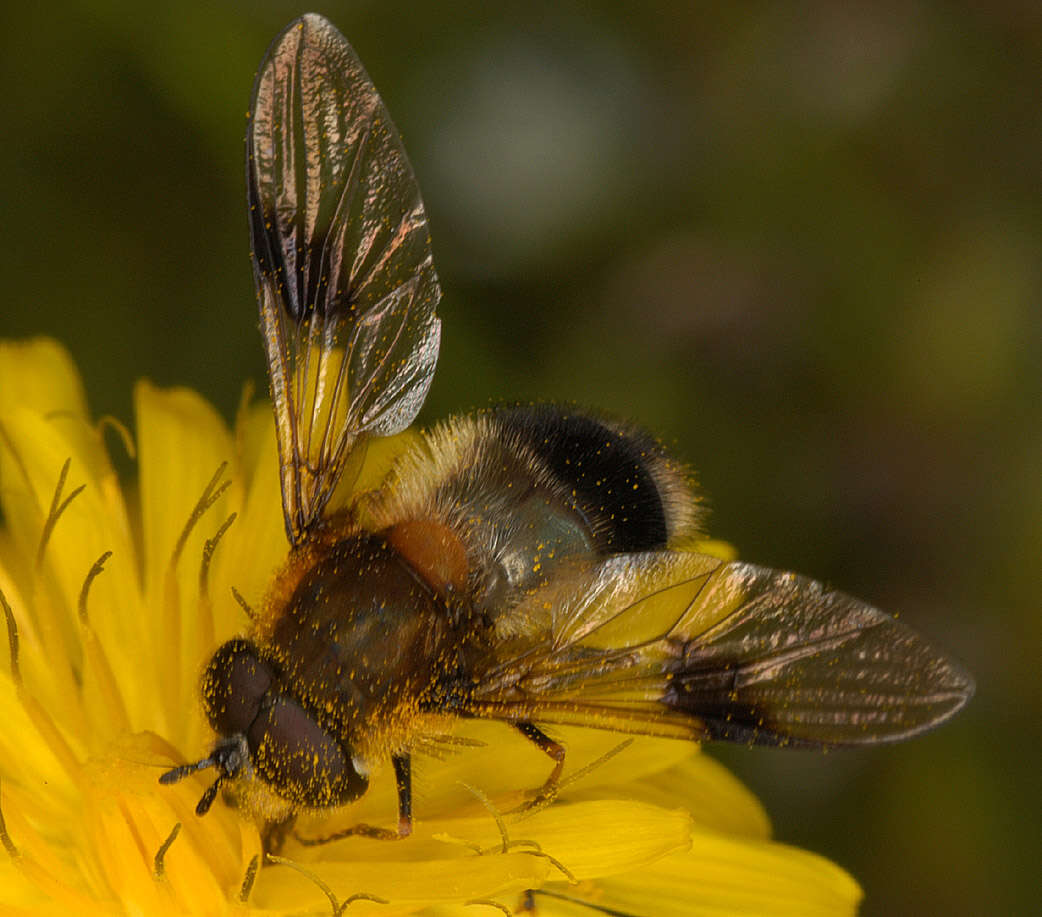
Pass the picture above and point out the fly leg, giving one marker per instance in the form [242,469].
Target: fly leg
[274,833]
[403,783]
[556,751]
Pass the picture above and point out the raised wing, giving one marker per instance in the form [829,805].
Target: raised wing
[685,645]
[342,262]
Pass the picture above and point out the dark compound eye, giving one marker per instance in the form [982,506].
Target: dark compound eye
[234,685]
[300,760]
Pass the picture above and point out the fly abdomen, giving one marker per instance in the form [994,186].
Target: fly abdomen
[490,505]
[630,494]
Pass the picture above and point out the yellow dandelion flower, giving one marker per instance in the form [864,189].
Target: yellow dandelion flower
[114,599]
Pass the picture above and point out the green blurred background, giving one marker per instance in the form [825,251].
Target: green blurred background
[805,247]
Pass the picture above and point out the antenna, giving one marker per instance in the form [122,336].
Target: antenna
[229,756]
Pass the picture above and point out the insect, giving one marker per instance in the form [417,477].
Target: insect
[528,564]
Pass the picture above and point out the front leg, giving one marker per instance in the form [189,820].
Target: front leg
[403,782]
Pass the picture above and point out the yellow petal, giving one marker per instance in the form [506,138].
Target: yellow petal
[255,546]
[722,876]
[129,817]
[594,839]
[18,896]
[715,798]
[57,543]
[715,548]
[182,444]
[31,770]
[405,884]
[38,374]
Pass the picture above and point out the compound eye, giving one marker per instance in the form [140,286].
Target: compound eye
[234,685]
[300,760]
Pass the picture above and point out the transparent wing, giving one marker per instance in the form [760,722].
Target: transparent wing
[686,645]
[342,262]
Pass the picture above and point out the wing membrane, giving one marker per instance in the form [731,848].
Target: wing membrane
[342,262]
[681,644]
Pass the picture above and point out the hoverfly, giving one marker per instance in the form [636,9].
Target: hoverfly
[529,564]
